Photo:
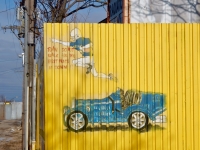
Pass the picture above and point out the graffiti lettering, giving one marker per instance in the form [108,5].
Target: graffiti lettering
[63,60]
[52,49]
[61,67]
[52,55]
[66,49]
[59,58]
[52,60]
[72,55]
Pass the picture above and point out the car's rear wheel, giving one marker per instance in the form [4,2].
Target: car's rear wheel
[138,120]
[77,121]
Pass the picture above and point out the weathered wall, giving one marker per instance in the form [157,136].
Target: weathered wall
[8,111]
[163,11]
[11,111]
[16,112]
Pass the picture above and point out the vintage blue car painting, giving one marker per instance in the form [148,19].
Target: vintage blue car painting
[133,107]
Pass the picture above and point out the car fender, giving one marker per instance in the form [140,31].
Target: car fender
[66,111]
[129,110]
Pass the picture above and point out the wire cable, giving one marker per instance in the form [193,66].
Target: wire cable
[10,60]
[6,10]
[13,69]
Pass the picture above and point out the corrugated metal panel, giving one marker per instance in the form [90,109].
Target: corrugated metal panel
[158,61]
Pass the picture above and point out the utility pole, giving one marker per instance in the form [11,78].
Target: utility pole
[22,16]
[25,117]
[30,5]
[26,14]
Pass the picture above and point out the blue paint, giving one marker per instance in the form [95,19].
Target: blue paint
[110,109]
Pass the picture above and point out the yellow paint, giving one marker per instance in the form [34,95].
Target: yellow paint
[33,145]
[161,58]
[37,143]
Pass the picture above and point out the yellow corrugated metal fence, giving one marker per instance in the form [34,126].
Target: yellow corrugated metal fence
[101,58]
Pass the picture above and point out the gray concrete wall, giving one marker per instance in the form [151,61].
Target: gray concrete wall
[16,110]
[11,111]
[8,111]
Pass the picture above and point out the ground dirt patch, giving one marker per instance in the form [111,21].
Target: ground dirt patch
[10,135]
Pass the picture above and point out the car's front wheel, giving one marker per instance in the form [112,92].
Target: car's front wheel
[77,121]
[138,120]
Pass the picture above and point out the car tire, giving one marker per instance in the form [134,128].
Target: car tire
[138,120]
[77,121]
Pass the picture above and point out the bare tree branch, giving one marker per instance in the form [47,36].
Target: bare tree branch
[83,7]
[57,10]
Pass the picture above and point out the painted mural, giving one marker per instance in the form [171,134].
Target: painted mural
[119,87]
[84,46]
[134,108]
[131,108]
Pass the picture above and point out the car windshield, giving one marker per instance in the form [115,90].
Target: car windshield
[130,98]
